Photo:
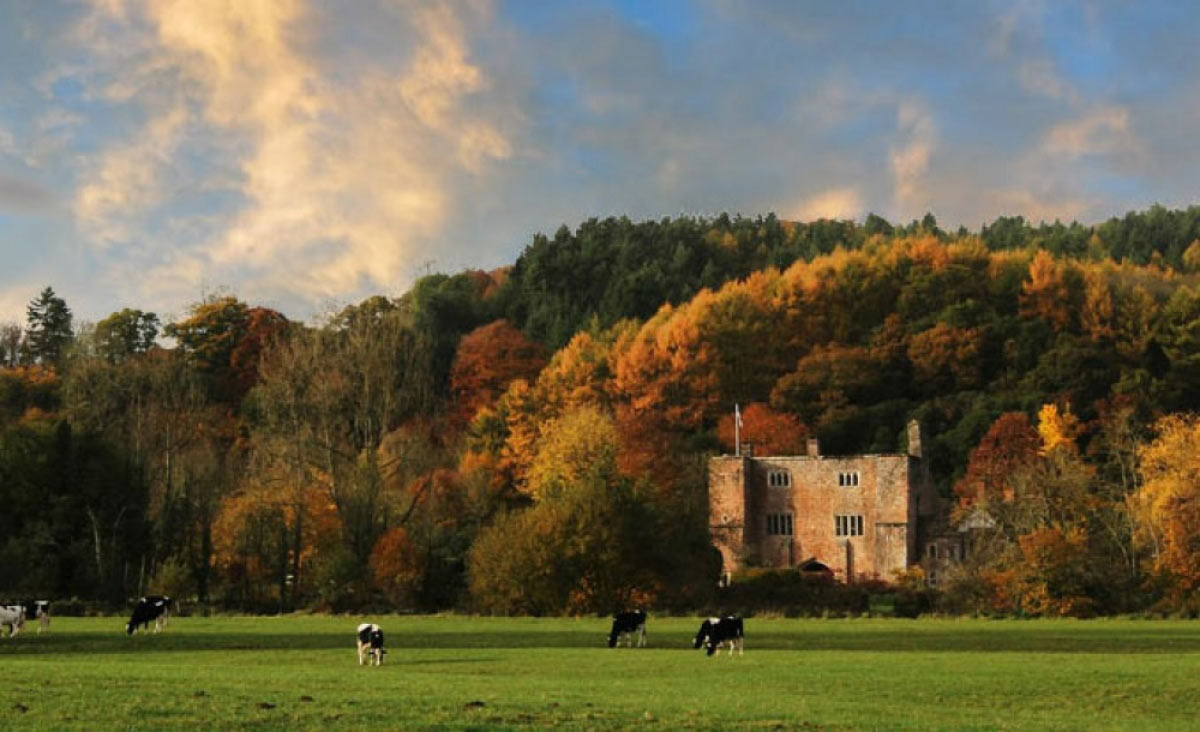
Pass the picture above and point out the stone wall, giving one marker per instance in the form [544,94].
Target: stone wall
[742,495]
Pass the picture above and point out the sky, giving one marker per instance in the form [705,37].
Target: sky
[303,155]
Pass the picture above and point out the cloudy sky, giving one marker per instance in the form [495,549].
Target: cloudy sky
[304,154]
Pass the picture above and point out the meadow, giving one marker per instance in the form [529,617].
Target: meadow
[457,672]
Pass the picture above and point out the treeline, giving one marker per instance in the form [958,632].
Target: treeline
[533,440]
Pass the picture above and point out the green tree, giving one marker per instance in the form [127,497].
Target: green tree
[125,333]
[48,329]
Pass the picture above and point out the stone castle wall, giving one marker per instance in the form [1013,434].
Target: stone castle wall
[742,496]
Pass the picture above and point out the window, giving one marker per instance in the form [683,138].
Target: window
[779,524]
[932,579]
[847,525]
[933,551]
[779,478]
[848,480]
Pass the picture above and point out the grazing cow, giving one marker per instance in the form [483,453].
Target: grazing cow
[716,631]
[14,617]
[370,645]
[627,624]
[150,607]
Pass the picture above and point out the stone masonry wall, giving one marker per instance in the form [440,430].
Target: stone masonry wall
[741,498]
[727,508]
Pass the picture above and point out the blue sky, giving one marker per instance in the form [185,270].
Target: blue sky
[304,154]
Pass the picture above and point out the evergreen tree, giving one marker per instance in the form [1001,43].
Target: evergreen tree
[49,328]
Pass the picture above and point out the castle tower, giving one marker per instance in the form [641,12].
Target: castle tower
[728,494]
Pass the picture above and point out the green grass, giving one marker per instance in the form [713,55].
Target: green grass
[459,672]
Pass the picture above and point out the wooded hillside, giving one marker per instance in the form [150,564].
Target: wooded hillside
[508,441]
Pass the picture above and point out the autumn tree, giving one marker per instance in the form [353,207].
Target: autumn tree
[1010,445]
[771,432]
[573,550]
[326,402]
[1167,505]
[1047,294]
[945,358]
[223,337]
[487,360]
[396,566]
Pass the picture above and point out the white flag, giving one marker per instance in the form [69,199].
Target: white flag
[737,416]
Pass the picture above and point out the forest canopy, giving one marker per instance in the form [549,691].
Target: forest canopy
[450,445]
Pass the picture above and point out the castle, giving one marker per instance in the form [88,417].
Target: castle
[857,516]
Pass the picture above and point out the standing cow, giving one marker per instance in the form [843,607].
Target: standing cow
[628,624]
[150,607]
[14,617]
[370,644]
[717,631]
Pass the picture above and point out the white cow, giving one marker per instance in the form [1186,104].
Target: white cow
[14,617]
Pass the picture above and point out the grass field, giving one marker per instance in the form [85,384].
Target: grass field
[485,673]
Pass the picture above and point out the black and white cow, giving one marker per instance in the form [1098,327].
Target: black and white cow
[150,607]
[628,624]
[14,617]
[717,631]
[370,645]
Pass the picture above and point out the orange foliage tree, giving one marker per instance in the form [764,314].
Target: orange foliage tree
[1010,445]
[487,360]
[771,432]
[396,566]
[946,358]
[1047,295]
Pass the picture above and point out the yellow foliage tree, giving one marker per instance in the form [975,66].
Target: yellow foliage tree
[1167,506]
[578,447]
[1046,294]
[1057,429]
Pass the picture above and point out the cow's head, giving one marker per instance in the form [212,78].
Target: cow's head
[704,632]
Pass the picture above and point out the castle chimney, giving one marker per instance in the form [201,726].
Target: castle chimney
[747,449]
[914,438]
[814,447]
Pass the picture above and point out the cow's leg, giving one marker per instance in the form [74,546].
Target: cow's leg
[361,660]
[642,636]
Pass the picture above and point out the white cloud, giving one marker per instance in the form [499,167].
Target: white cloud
[916,134]
[341,183]
[836,203]
[1100,131]
[1039,76]
[125,180]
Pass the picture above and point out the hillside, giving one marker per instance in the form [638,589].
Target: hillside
[508,441]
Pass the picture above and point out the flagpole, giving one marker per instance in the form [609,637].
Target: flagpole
[737,430]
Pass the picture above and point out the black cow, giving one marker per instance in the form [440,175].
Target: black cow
[626,624]
[370,644]
[716,631]
[150,607]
